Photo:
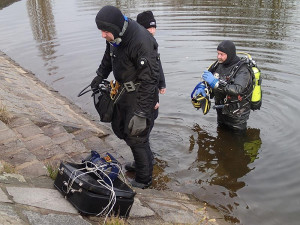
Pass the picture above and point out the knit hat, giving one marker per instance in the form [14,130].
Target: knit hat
[227,47]
[146,19]
[110,19]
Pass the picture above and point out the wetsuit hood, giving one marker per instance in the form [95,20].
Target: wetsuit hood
[228,47]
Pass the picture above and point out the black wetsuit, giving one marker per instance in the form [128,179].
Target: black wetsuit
[234,93]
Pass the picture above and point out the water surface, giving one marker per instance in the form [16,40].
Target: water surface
[251,180]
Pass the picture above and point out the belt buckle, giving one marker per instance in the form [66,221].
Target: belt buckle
[129,86]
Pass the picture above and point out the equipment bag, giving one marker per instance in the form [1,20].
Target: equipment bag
[84,186]
[104,102]
[106,164]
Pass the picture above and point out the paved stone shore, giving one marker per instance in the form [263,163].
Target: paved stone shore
[44,129]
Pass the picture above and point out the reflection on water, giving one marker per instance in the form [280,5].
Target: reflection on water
[226,157]
[5,3]
[43,30]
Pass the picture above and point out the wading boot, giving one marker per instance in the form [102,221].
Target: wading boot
[130,167]
[136,184]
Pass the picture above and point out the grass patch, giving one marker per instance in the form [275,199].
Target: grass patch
[113,220]
[4,114]
[7,168]
[52,171]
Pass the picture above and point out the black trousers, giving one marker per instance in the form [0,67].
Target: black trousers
[139,145]
[235,123]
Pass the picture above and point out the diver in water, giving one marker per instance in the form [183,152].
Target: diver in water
[231,91]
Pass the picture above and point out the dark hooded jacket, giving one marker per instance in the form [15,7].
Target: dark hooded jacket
[234,92]
[132,57]
[135,59]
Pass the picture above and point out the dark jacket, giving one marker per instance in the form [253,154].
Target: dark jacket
[135,59]
[234,92]
[162,81]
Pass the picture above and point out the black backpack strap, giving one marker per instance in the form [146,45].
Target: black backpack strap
[212,68]
[243,61]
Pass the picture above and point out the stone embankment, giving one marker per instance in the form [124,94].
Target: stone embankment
[38,129]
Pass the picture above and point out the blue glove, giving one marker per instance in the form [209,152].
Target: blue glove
[209,78]
[199,89]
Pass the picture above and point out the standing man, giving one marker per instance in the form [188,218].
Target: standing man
[131,54]
[147,20]
[231,89]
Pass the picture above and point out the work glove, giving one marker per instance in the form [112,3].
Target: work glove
[137,125]
[210,79]
[96,82]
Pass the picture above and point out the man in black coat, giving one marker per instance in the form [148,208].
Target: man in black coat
[131,54]
[147,20]
[232,92]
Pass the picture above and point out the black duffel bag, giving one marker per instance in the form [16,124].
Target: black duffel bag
[103,102]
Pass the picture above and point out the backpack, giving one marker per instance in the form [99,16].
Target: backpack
[256,95]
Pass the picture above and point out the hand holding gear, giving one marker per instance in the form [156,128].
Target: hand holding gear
[210,79]
[96,82]
[137,125]
[200,89]
[199,97]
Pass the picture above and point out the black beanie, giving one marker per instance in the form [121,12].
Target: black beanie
[146,19]
[110,19]
[227,47]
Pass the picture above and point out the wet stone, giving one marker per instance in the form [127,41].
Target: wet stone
[173,212]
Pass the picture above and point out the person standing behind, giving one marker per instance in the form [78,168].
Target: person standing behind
[147,20]
[232,93]
[131,54]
